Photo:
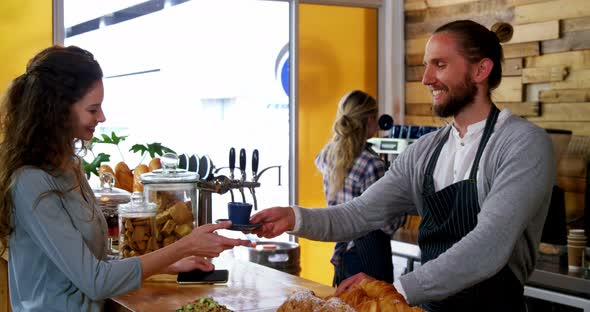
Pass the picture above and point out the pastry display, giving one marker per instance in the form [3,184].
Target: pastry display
[373,296]
[137,236]
[123,177]
[137,172]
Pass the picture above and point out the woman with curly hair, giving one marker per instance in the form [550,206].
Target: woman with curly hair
[349,167]
[54,230]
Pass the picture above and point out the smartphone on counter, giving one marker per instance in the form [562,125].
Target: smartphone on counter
[203,277]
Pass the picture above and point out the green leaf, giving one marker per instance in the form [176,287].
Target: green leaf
[153,149]
[93,166]
[106,139]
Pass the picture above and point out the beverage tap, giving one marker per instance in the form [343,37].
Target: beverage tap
[232,162]
[255,160]
[243,171]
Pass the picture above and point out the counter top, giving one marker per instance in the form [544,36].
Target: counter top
[550,273]
[251,287]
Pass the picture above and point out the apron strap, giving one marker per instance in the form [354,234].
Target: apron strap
[487,133]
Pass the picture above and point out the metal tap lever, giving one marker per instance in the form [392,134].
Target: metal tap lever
[243,170]
[263,170]
[232,162]
[255,160]
[243,163]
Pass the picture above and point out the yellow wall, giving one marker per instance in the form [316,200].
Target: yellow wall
[25,29]
[337,53]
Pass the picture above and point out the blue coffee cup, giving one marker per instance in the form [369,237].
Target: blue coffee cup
[239,213]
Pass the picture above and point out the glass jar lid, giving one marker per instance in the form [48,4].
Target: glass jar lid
[169,172]
[137,205]
[108,194]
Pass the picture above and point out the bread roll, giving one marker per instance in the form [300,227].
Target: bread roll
[123,177]
[137,172]
[155,164]
[105,168]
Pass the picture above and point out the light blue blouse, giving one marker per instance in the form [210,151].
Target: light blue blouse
[58,259]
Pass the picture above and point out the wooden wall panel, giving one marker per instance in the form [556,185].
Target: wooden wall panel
[543,74]
[512,67]
[550,11]
[521,50]
[535,32]
[573,60]
[549,52]
[564,96]
[564,112]
[509,90]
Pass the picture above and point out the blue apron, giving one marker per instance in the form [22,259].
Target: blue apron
[448,216]
[371,255]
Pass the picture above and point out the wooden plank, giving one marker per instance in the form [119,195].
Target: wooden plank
[569,41]
[418,93]
[577,79]
[416,46]
[442,3]
[564,96]
[521,49]
[4,295]
[521,108]
[414,73]
[543,74]
[552,10]
[411,5]
[575,24]
[432,121]
[573,60]
[419,109]
[579,145]
[577,128]
[512,67]
[564,112]
[535,32]
[509,90]
[569,184]
[413,60]
[574,206]
[572,166]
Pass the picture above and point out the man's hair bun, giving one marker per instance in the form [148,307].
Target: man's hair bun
[503,31]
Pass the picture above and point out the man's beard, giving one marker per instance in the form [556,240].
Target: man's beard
[463,95]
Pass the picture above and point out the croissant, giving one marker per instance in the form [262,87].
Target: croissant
[376,296]
[123,177]
[301,301]
[137,172]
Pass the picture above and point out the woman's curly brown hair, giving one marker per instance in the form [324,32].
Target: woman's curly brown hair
[35,124]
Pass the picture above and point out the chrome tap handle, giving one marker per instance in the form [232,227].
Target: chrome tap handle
[231,192]
[232,162]
[243,163]
[253,192]
[243,196]
[255,160]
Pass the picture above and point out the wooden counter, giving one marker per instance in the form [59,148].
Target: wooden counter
[251,287]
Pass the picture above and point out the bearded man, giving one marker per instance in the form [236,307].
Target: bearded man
[482,186]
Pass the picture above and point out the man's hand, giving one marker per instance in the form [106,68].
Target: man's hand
[275,221]
[351,281]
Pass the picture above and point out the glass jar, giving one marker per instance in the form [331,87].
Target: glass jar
[137,227]
[174,193]
[108,199]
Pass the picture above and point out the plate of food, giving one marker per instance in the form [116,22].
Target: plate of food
[206,304]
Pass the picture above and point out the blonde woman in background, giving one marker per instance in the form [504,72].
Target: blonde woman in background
[349,167]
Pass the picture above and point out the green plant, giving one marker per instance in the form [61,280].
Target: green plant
[152,149]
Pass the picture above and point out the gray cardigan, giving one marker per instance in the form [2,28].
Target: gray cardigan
[57,259]
[515,178]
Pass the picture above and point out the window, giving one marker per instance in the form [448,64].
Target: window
[197,76]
